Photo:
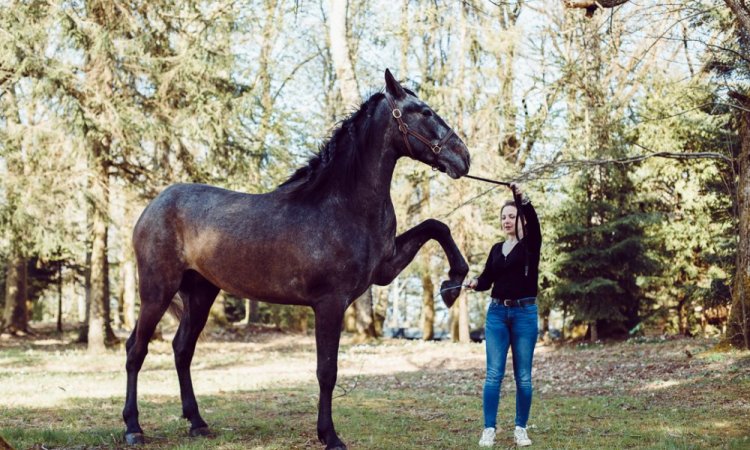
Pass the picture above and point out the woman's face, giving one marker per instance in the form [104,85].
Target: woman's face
[508,220]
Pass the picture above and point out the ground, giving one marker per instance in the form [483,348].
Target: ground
[257,390]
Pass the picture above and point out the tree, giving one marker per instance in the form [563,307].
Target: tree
[600,240]
[41,171]
[360,313]
[739,322]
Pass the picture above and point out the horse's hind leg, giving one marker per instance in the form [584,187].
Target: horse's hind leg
[156,292]
[198,295]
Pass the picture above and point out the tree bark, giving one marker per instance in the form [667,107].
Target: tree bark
[365,325]
[358,316]
[463,318]
[342,60]
[742,13]
[100,329]
[16,315]
[59,297]
[428,303]
[738,328]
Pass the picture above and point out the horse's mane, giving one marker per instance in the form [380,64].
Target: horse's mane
[338,159]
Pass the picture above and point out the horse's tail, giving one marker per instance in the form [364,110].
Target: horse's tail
[176,308]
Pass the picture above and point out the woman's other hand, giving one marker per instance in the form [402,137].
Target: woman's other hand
[472,284]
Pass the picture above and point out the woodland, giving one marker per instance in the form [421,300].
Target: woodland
[627,123]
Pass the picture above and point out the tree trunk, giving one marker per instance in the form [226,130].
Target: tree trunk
[16,315]
[454,324]
[594,331]
[379,309]
[100,329]
[463,319]
[365,323]
[358,317]
[350,318]
[428,303]
[738,328]
[740,11]
[251,311]
[682,316]
[395,294]
[269,36]
[340,55]
[59,297]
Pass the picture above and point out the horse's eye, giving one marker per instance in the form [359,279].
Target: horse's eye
[426,113]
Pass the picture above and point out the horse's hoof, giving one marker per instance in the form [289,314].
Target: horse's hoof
[449,290]
[339,446]
[200,431]
[134,439]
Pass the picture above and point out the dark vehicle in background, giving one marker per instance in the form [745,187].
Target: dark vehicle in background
[413,334]
[477,335]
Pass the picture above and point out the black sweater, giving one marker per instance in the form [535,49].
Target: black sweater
[506,273]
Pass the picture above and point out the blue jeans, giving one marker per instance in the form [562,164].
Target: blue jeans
[517,327]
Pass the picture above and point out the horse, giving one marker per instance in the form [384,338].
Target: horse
[320,239]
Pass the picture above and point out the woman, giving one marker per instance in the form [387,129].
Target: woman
[512,270]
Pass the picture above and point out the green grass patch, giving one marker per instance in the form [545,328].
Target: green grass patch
[674,402]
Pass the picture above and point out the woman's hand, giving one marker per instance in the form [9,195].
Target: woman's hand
[472,284]
[517,189]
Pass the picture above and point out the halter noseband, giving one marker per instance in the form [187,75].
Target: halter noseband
[406,131]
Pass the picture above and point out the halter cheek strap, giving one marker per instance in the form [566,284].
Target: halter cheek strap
[406,131]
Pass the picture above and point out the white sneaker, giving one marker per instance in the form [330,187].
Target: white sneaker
[488,438]
[522,439]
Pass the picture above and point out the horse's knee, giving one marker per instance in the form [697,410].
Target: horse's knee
[437,226]
[327,378]
[183,356]
[131,340]
[134,360]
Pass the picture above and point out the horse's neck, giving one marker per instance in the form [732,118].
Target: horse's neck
[374,185]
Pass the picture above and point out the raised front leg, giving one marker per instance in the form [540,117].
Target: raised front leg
[328,320]
[409,243]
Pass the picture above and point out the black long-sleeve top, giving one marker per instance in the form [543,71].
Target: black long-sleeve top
[506,274]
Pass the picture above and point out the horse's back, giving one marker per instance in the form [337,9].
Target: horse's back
[176,212]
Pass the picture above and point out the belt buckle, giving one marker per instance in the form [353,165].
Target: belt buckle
[508,303]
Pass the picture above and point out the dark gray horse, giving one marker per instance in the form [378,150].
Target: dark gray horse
[320,240]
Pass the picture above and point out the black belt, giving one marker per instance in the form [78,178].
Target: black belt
[508,302]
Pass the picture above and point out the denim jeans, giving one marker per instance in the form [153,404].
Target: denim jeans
[516,327]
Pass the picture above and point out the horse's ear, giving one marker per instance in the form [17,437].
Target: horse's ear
[392,86]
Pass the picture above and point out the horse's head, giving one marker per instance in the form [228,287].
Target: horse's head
[418,132]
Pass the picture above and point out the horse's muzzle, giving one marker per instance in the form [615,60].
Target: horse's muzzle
[456,160]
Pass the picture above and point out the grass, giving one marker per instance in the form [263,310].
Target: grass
[393,395]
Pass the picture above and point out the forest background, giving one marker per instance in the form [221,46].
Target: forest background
[627,125]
